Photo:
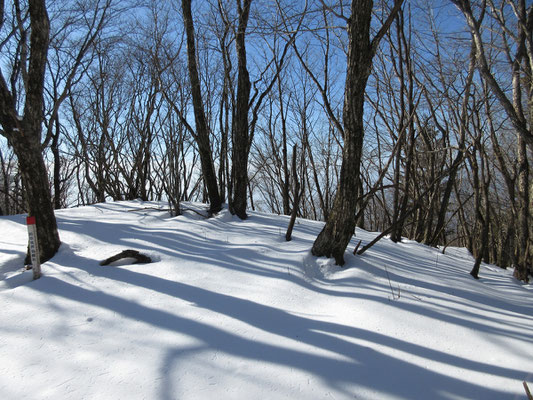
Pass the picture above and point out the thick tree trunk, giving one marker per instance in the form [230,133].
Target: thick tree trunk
[24,133]
[38,197]
[340,226]
[521,271]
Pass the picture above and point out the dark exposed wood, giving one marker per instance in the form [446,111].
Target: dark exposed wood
[139,257]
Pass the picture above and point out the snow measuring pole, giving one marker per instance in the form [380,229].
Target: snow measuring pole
[34,247]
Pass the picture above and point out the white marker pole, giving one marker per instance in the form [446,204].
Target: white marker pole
[34,247]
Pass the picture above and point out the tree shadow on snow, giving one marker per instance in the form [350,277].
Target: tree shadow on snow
[354,364]
[351,363]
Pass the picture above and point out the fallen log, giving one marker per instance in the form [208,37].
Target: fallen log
[138,257]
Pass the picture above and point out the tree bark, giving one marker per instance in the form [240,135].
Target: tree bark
[240,120]
[24,133]
[521,269]
[296,195]
[481,181]
[340,226]
[57,164]
[202,130]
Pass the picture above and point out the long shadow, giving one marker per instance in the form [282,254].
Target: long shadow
[175,242]
[358,365]
[403,260]
[457,314]
[364,365]
[190,245]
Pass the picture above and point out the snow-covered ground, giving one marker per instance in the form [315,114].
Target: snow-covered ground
[229,310]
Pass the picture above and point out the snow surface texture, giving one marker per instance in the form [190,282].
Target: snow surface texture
[229,310]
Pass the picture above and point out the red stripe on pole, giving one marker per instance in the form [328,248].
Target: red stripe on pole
[30,221]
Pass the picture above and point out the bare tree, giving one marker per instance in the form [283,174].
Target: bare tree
[521,63]
[248,103]
[72,40]
[202,129]
[23,131]
[340,226]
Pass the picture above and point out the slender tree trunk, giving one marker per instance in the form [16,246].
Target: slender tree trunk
[241,139]
[439,227]
[396,234]
[202,130]
[285,189]
[295,194]
[57,165]
[224,119]
[521,269]
[482,210]
[5,171]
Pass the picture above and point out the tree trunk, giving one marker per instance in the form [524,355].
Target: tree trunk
[396,234]
[521,269]
[439,227]
[38,197]
[57,164]
[340,226]
[296,196]
[24,133]
[202,130]
[482,210]
[240,120]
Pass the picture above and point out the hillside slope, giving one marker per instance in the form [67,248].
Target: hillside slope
[229,310]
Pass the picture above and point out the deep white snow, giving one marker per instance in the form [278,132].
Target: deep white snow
[229,310]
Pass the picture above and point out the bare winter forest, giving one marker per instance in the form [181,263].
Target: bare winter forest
[409,117]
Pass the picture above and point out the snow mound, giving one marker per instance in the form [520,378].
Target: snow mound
[224,215]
